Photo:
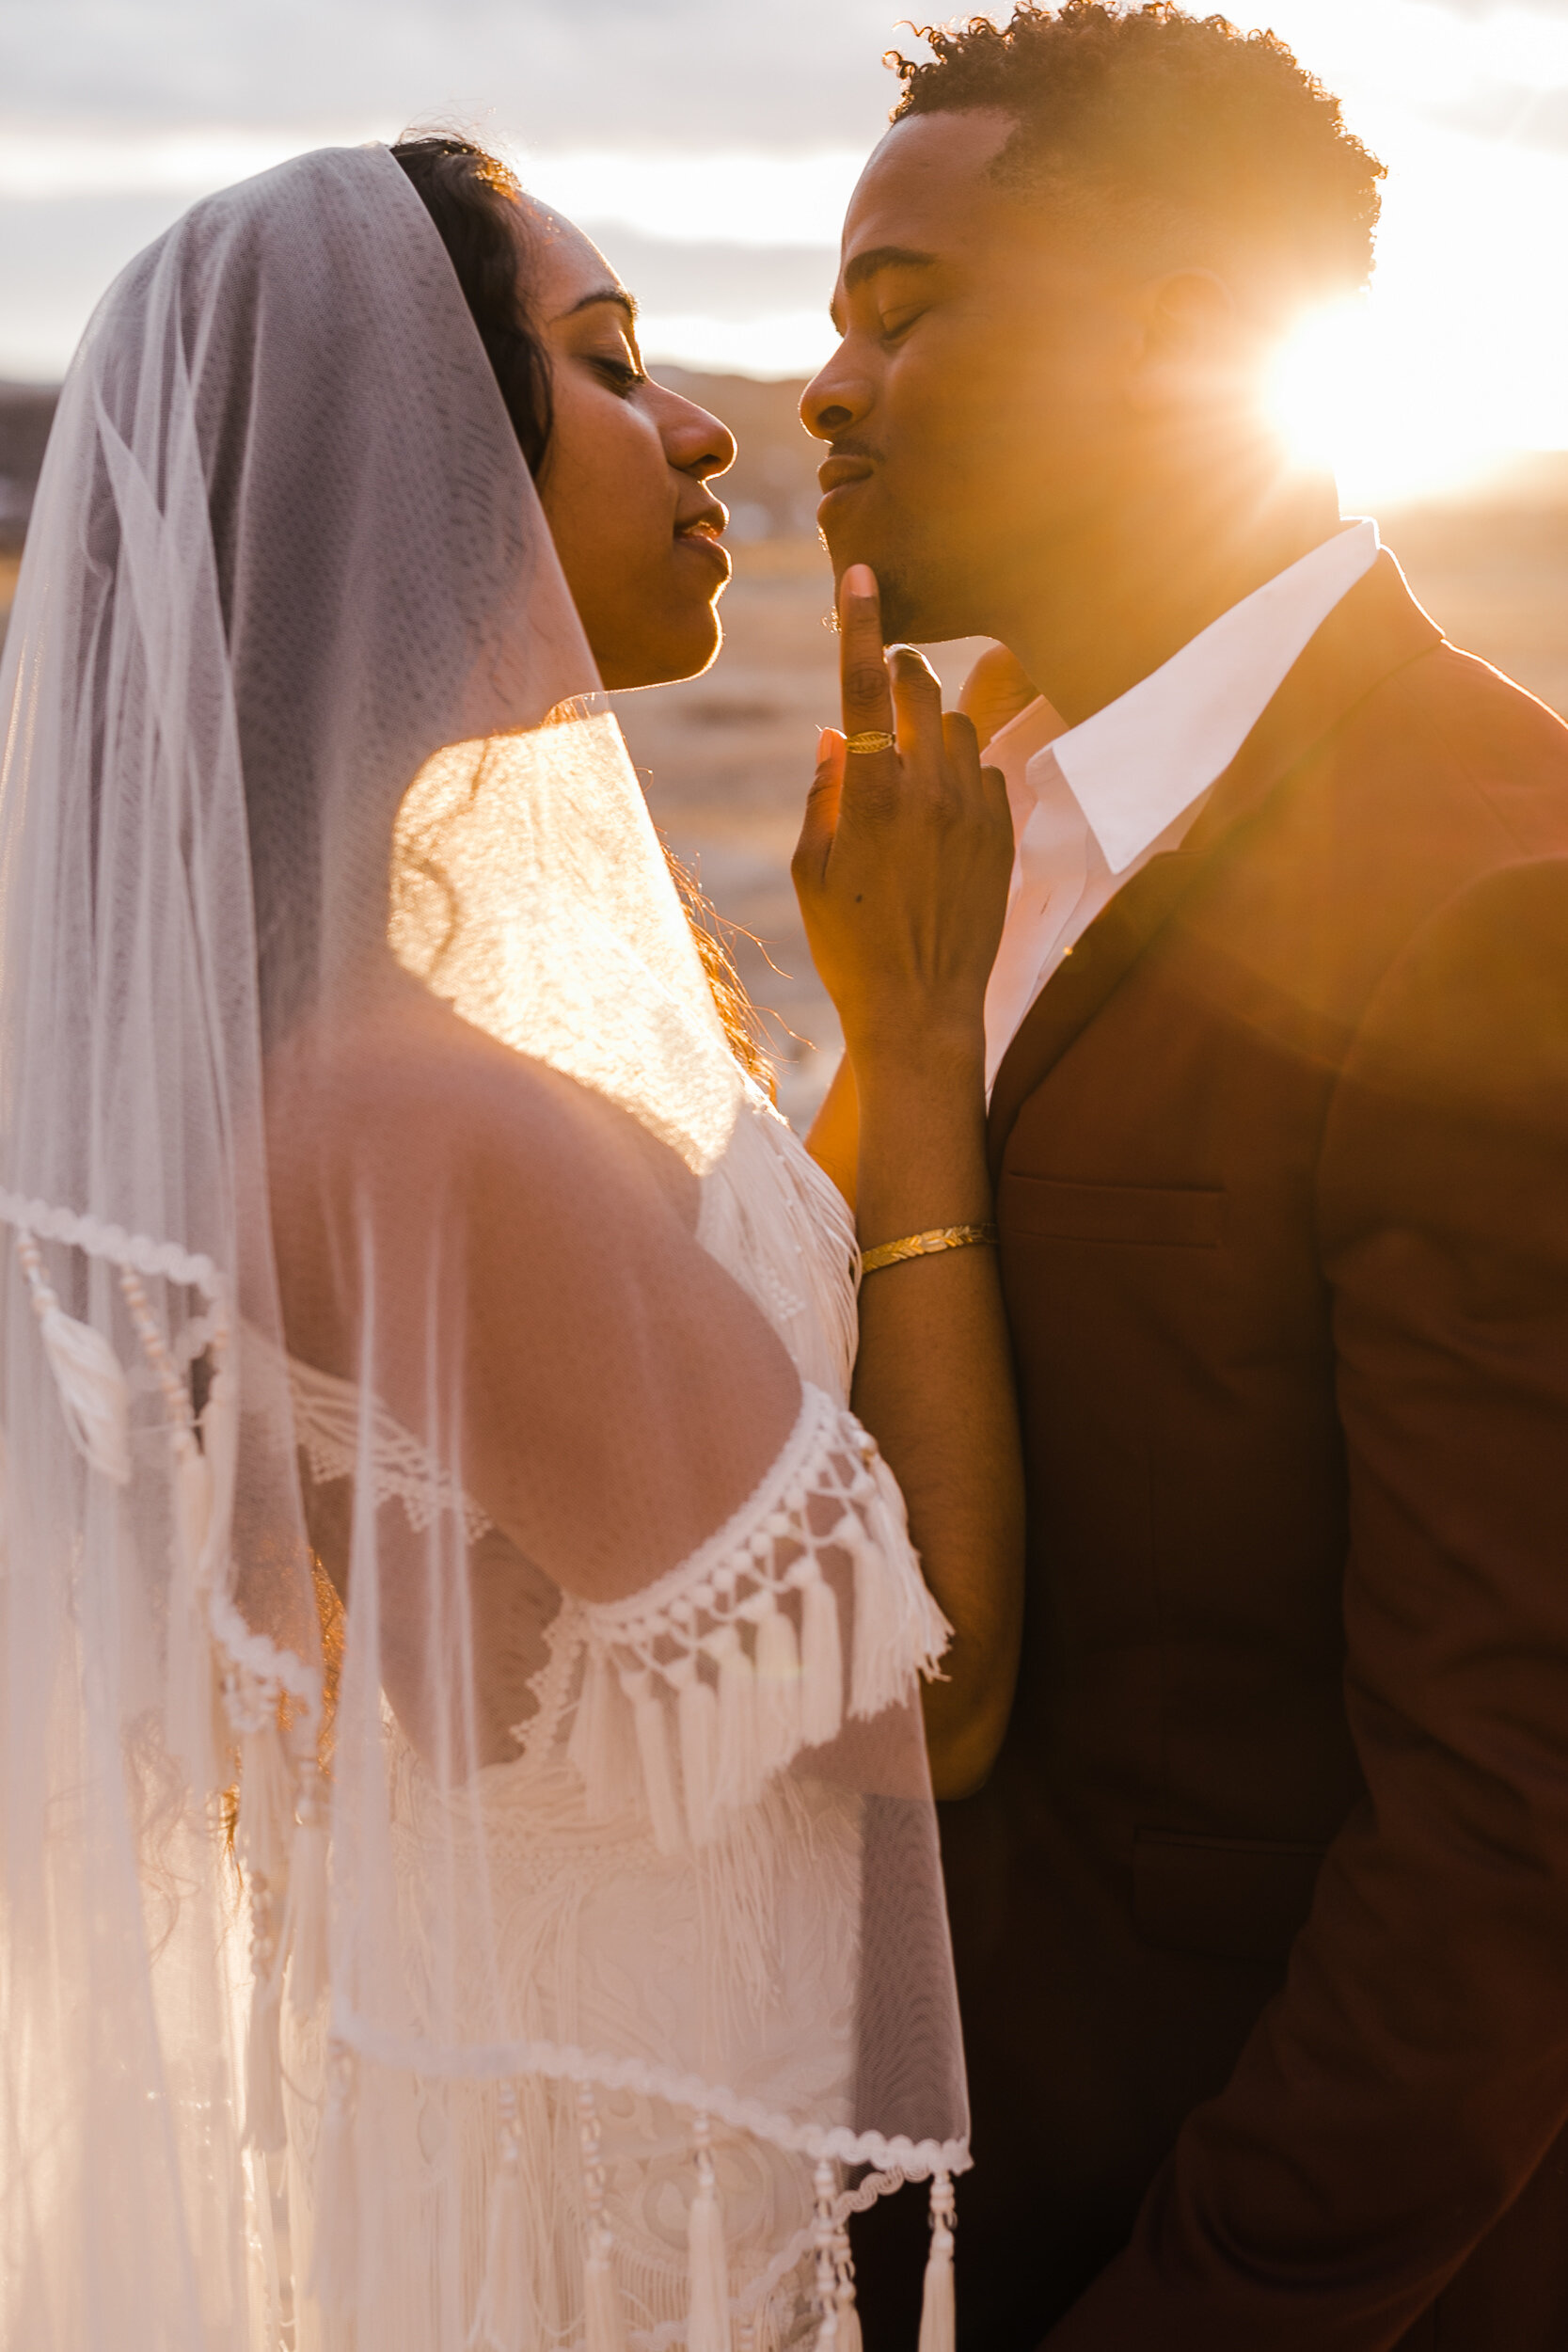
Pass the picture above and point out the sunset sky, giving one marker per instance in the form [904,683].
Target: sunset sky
[710,145]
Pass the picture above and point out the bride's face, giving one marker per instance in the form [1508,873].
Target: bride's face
[624,481]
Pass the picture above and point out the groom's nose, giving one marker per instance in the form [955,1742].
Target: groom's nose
[834,401]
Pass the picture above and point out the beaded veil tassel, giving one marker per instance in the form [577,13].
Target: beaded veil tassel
[848,2316]
[335,2251]
[938,2315]
[604,2319]
[824,2233]
[709,2327]
[504,2321]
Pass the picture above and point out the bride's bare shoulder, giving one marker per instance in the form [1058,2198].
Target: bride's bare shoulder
[405,1094]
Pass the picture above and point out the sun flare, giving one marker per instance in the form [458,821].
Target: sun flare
[1352,392]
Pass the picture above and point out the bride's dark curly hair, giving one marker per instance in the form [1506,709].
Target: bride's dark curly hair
[473,200]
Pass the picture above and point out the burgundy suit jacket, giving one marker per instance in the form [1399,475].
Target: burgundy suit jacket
[1263,1920]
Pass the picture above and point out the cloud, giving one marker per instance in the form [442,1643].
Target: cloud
[1494,8]
[737,281]
[757,308]
[56,259]
[709,145]
[1510,111]
[681,74]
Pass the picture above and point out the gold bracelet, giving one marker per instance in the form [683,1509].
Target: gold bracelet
[926,1244]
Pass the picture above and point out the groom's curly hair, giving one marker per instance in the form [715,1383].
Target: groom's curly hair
[1146,117]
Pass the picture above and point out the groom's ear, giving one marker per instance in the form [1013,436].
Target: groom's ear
[1190,341]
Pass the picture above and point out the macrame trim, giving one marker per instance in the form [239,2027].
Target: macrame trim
[701,1687]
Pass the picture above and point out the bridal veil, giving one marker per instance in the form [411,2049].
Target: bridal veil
[467,1874]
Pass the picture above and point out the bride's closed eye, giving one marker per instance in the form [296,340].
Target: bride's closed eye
[619,374]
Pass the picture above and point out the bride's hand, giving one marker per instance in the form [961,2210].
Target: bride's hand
[904,856]
[902,873]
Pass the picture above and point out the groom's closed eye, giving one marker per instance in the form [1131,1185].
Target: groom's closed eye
[866,267]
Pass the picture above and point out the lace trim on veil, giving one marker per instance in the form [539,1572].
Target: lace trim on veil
[909,2159]
[94,1391]
[326,1412]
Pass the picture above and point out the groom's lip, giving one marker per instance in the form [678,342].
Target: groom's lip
[837,473]
[840,477]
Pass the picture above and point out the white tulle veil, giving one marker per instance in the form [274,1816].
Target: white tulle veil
[467,1869]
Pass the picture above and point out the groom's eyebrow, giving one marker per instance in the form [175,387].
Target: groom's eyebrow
[872,263]
[882,257]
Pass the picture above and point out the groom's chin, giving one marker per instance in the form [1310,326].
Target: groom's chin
[916,612]
[920,606]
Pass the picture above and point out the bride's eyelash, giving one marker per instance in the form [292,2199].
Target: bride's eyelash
[900,324]
[620,375]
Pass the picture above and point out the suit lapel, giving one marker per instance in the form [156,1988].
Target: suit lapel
[1373,631]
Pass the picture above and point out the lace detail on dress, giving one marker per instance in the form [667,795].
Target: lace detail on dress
[327,1424]
[701,1687]
[781,1227]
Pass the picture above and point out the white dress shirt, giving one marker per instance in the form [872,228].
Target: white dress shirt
[1092,804]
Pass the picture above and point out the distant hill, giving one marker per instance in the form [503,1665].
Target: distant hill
[772,492]
[27,413]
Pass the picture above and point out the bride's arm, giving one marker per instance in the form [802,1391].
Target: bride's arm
[902,872]
[529,1255]
[834,1140]
[507,1265]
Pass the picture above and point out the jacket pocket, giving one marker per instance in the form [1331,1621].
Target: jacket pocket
[1168,1216]
[1236,1897]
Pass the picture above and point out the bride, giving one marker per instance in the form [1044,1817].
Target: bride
[469,1867]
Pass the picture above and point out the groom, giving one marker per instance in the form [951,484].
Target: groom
[1263,1918]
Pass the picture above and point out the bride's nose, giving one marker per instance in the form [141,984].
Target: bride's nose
[695,443]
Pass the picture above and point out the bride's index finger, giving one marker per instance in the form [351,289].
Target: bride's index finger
[862,672]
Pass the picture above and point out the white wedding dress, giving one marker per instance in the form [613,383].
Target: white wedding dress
[348,1007]
[596,1891]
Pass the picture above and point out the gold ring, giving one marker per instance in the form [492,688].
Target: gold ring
[873,739]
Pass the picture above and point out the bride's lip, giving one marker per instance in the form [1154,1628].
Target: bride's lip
[701,534]
[709,521]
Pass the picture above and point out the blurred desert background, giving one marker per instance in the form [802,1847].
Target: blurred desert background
[725,759]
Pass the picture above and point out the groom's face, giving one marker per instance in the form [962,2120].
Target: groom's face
[977,408]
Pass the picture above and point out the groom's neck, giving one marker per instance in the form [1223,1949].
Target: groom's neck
[1108,604]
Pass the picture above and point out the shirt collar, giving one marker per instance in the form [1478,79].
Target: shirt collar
[1136,765]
